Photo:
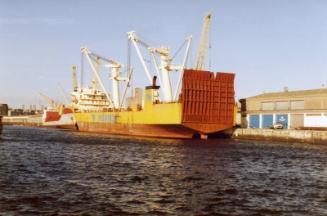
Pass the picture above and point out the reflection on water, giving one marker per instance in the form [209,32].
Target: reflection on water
[52,172]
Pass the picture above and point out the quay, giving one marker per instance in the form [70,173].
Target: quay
[291,135]
[28,120]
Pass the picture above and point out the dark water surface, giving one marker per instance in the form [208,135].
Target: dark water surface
[52,172]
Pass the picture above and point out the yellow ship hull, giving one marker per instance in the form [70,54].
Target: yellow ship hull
[206,106]
[158,120]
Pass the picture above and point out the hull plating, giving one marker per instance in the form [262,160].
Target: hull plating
[163,131]
[66,121]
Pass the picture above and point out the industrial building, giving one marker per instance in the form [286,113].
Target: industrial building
[4,109]
[293,109]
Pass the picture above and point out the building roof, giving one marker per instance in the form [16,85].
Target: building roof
[300,93]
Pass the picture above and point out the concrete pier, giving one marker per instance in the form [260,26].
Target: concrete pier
[34,120]
[306,136]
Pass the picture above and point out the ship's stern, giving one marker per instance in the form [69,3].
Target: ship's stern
[208,101]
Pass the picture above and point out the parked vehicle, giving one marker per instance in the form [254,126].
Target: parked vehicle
[277,125]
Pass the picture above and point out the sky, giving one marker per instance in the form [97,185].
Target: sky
[268,44]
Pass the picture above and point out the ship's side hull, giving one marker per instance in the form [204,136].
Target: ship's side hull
[156,120]
[65,121]
[144,130]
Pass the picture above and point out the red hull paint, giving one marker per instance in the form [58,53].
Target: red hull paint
[162,131]
[68,127]
[52,116]
[67,110]
[53,119]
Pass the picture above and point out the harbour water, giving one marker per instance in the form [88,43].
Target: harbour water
[53,172]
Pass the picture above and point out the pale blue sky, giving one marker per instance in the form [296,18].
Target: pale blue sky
[269,44]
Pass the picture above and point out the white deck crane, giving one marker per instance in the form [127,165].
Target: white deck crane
[135,40]
[88,53]
[115,66]
[165,65]
[116,78]
[204,43]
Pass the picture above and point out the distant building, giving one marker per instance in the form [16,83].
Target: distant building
[3,109]
[293,109]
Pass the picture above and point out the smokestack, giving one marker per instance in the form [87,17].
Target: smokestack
[154,81]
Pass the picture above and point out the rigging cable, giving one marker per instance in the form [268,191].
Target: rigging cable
[82,70]
[179,49]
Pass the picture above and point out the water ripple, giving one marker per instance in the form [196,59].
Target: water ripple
[53,172]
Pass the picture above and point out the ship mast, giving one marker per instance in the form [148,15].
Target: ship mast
[116,78]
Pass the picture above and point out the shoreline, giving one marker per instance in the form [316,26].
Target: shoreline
[285,135]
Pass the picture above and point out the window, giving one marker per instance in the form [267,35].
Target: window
[297,105]
[254,121]
[282,105]
[267,105]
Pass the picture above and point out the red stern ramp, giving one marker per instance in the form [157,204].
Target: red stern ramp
[208,101]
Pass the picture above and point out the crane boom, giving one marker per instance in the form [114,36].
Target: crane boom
[63,93]
[50,101]
[135,40]
[86,52]
[204,43]
[75,86]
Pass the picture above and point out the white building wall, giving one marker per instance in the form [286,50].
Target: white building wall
[315,121]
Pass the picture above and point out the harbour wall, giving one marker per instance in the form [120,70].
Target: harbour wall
[34,120]
[305,136]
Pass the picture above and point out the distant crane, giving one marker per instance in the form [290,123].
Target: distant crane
[50,101]
[75,86]
[63,93]
[204,43]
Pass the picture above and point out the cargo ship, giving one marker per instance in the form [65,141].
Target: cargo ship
[203,102]
[56,115]
[58,119]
